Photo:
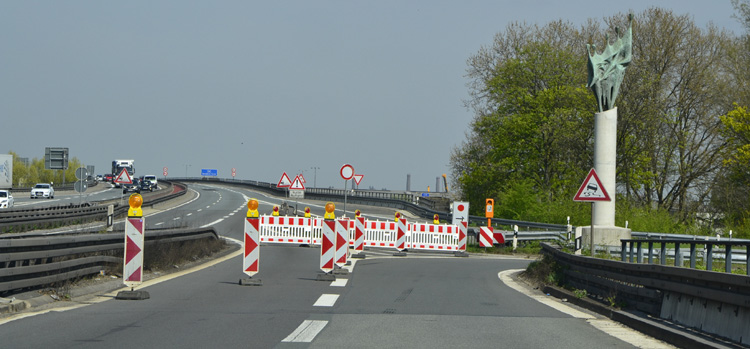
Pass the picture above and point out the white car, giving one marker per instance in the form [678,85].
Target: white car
[6,199]
[152,178]
[43,190]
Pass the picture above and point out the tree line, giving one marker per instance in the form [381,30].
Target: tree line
[683,137]
[26,175]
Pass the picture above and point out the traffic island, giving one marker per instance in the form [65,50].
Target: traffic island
[132,295]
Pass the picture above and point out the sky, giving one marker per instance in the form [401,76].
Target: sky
[264,87]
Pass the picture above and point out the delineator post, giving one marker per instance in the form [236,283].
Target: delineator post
[133,254]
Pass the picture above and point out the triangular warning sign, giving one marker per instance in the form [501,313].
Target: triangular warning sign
[124,177]
[358,178]
[592,189]
[297,184]
[284,182]
[302,178]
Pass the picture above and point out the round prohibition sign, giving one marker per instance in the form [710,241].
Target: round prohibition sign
[347,172]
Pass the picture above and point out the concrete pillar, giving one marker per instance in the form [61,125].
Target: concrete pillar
[605,163]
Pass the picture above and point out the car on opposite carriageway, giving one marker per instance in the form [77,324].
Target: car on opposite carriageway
[6,199]
[42,190]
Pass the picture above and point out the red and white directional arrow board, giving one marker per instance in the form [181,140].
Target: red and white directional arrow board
[342,241]
[401,235]
[251,244]
[463,229]
[327,246]
[359,234]
[133,268]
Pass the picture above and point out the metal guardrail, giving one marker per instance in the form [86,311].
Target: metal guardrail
[17,220]
[640,285]
[633,250]
[38,261]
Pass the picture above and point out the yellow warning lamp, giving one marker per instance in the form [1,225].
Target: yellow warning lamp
[398,215]
[436,219]
[357,213]
[135,201]
[330,208]
[275,211]
[489,212]
[307,212]
[252,208]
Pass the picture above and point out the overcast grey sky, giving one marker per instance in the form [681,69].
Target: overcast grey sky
[265,87]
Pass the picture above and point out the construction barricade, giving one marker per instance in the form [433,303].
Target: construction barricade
[417,236]
[425,236]
[290,230]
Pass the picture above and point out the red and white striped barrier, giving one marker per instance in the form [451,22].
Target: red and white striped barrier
[380,234]
[425,236]
[359,234]
[463,231]
[342,241]
[250,263]
[133,266]
[485,237]
[290,230]
[328,246]
[401,234]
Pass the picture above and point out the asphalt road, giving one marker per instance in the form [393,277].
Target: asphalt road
[422,300]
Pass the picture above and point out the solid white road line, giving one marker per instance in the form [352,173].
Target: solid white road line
[306,331]
[326,300]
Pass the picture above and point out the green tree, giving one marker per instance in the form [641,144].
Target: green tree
[530,103]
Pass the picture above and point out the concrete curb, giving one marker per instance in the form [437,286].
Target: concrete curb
[671,334]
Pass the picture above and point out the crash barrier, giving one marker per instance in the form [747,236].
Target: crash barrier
[24,219]
[39,261]
[633,250]
[417,236]
[707,301]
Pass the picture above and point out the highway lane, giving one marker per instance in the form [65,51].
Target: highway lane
[385,302]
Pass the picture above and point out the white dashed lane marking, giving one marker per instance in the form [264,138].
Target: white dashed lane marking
[326,300]
[306,331]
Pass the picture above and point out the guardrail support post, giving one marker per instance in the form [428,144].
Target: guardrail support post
[663,254]
[747,259]
[623,249]
[692,255]
[677,255]
[632,247]
[709,256]
[728,258]
[650,252]
[639,258]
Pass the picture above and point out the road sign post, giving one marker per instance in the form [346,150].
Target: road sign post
[346,172]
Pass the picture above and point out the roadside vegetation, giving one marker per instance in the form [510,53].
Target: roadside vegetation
[683,162]
[27,172]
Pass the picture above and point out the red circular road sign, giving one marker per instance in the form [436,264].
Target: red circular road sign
[165,169]
[347,172]
[234,171]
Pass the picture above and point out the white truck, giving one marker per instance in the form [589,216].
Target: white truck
[119,165]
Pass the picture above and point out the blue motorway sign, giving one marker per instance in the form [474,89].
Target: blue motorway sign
[209,172]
